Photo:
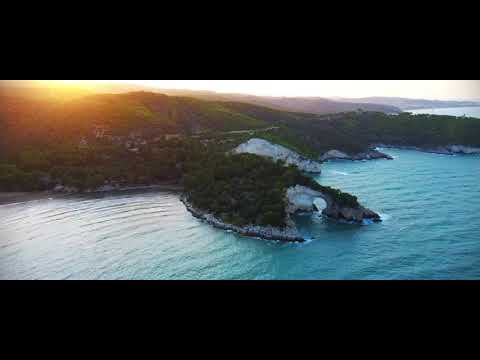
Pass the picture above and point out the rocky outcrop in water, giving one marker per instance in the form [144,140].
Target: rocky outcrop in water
[367,155]
[443,150]
[356,215]
[277,152]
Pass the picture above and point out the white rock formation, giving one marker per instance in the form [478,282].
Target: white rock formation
[301,198]
[277,152]
[443,150]
[461,149]
[367,155]
[334,154]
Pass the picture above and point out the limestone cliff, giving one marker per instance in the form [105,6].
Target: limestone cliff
[277,152]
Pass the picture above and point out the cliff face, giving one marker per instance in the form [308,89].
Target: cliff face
[277,152]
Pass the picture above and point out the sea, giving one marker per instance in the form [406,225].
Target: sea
[429,204]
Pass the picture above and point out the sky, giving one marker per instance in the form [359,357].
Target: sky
[425,89]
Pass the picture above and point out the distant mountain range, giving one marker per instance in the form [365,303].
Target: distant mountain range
[311,105]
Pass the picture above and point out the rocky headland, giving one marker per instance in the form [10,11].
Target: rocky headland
[443,150]
[367,155]
[297,199]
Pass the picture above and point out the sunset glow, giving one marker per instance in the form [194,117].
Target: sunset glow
[426,89]
[239,179]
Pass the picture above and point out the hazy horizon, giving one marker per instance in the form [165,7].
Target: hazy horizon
[412,89]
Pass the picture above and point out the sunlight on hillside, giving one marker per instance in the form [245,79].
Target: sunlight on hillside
[60,90]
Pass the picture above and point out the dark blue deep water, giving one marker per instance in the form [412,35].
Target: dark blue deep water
[430,203]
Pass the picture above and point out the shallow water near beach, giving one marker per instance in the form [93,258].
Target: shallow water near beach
[431,230]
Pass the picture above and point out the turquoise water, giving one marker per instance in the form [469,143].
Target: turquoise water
[455,111]
[430,203]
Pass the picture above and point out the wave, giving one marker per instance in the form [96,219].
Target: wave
[385,216]
[339,173]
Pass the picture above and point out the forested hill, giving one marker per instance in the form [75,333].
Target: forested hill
[27,122]
[354,132]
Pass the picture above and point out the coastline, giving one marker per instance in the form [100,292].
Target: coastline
[441,150]
[375,154]
[7,198]
[289,234]
[371,154]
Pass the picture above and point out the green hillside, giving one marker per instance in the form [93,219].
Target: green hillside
[28,122]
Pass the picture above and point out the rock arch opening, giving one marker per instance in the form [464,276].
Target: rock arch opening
[319,204]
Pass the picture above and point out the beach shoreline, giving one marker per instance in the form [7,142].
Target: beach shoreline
[20,197]
[7,198]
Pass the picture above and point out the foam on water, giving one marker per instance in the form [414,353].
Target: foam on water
[336,172]
[385,217]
